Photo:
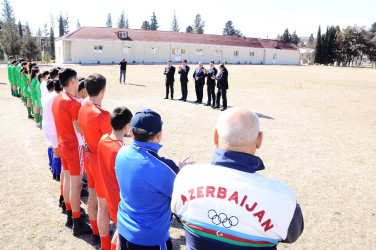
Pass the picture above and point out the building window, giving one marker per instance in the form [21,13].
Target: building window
[182,51]
[236,53]
[199,52]
[252,54]
[173,51]
[123,34]
[128,50]
[218,52]
[154,51]
[98,49]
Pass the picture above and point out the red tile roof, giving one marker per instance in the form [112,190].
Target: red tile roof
[104,33]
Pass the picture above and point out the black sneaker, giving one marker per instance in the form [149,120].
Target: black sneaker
[223,109]
[61,201]
[54,176]
[207,104]
[58,178]
[80,227]
[95,240]
[63,208]
[69,222]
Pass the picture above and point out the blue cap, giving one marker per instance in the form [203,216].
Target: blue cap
[147,120]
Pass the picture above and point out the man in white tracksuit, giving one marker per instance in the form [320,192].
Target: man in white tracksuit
[226,204]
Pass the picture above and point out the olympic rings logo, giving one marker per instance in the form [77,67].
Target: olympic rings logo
[222,219]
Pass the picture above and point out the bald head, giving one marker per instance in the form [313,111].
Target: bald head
[238,129]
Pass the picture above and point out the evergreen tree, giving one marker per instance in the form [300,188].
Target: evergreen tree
[66,25]
[318,49]
[78,24]
[145,25]
[286,37]
[52,43]
[121,21]
[229,30]
[294,38]
[126,23]
[373,28]
[310,42]
[154,22]
[175,24]
[331,44]
[189,29]
[61,25]
[29,48]
[27,28]
[10,41]
[20,29]
[7,12]
[198,26]
[109,21]
[324,48]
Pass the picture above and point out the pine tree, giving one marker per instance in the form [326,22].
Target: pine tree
[331,44]
[310,42]
[126,23]
[286,37]
[61,26]
[109,21]
[318,49]
[52,43]
[154,22]
[229,30]
[121,21]
[7,11]
[66,25]
[175,24]
[145,25]
[78,24]
[294,38]
[10,41]
[20,29]
[29,48]
[324,44]
[198,26]
[189,29]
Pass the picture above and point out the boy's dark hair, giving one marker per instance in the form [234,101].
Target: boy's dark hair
[11,57]
[23,64]
[169,61]
[120,117]
[142,135]
[39,77]
[65,75]
[45,73]
[81,78]
[222,66]
[53,73]
[94,84]
[81,86]
[185,60]
[50,85]
[57,85]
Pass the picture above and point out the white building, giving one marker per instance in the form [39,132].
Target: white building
[90,45]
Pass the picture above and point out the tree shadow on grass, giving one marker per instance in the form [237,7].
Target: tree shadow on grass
[264,116]
[137,85]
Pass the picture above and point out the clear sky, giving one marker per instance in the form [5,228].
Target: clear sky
[262,18]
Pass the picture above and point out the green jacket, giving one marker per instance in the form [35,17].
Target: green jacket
[33,93]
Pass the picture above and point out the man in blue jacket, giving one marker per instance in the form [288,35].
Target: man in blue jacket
[183,71]
[146,183]
[199,77]
[222,85]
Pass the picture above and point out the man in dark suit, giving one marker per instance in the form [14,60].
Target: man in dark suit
[170,73]
[210,83]
[199,76]
[222,85]
[183,71]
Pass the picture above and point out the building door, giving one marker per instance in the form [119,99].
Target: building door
[178,55]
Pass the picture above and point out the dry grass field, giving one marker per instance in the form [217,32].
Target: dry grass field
[319,128]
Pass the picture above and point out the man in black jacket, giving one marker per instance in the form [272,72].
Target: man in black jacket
[222,85]
[123,69]
[210,83]
[199,76]
[183,71]
[169,72]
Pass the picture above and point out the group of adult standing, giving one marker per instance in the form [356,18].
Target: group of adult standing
[213,78]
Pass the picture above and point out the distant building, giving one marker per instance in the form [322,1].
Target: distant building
[306,56]
[109,45]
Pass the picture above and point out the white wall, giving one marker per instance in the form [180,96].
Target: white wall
[83,51]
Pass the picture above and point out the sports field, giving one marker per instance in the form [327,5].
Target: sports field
[319,128]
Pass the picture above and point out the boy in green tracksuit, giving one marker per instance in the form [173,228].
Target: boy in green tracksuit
[9,73]
[17,73]
[12,73]
[38,96]
[27,93]
[33,94]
